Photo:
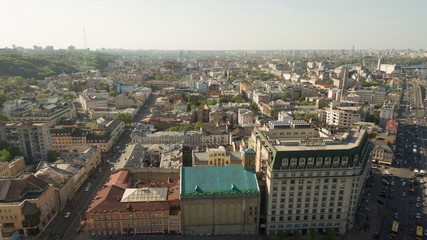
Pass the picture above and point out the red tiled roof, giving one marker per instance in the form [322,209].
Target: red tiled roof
[108,200]
[120,179]
[38,182]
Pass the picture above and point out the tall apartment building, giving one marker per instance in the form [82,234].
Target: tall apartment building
[312,183]
[51,115]
[343,114]
[32,139]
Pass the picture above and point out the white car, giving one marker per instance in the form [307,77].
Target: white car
[396,215]
[417,204]
[403,184]
[421,181]
[418,199]
[392,183]
[86,189]
[403,194]
[67,214]
[418,216]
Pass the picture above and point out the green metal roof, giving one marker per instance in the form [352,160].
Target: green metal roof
[248,151]
[218,180]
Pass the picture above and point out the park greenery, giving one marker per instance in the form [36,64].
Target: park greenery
[125,117]
[8,152]
[196,126]
[28,66]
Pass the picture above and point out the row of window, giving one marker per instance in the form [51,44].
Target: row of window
[305,225]
[110,232]
[305,218]
[306,205]
[320,161]
[130,216]
[140,223]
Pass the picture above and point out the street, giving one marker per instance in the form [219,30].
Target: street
[65,228]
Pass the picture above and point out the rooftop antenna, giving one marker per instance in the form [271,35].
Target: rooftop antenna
[85,41]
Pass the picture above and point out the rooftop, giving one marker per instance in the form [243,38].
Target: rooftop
[218,180]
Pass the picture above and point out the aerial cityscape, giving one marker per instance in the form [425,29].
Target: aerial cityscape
[213,120]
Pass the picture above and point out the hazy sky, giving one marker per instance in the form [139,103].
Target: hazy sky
[215,24]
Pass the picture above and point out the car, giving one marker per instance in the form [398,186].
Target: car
[396,215]
[425,232]
[86,189]
[418,215]
[418,199]
[403,194]
[392,183]
[403,184]
[67,214]
[380,202]
[417,205]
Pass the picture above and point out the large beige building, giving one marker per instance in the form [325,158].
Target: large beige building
[312,183]
[382,153]
[27,204]
[32,139]
[91,99]
[219,200]
[12,168]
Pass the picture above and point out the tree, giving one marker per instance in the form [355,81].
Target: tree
[70,85]
[253,106]
[330,234]
[281,234]
[313,234]
[288,95]
[68,97]
[297,235]
[330,82]
[125,117]
[198,125]
[52,156]
[4,117]
[212,102]
[5,155]
[374,118]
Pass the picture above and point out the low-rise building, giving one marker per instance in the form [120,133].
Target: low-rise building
[218,200]
[149,208]
[12,168]
[382,153]
[27,204]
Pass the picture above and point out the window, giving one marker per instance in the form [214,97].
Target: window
[285,162]
[327,161]
[302,162]
[336,161]
[310,162]
[319,161]
[293,162]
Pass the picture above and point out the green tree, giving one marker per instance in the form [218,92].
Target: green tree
[113,92]
[330,82]
[125,117]
[212,102]
[4,117]
[297,235]
[330,234]
[288,95]
[198,125]
[373,117]
[313,234]
[68,97]
[281,234]
[253,106]
[5,155]
[70,85]
[52,156]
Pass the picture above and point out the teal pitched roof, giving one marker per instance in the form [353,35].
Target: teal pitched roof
[218,180]
[248,151]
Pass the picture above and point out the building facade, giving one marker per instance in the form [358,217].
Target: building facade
[219,200]
[32,139]
[314,183]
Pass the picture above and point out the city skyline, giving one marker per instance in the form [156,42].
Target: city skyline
[215,25]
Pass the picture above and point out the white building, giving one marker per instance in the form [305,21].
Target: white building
[343,115]
[245,117]
[203,86]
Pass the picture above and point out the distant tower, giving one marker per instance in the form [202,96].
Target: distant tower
[344,79]
[85,41]
[352,53]
[248,158]
[380,61]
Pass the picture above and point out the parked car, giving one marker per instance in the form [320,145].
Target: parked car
[67,214]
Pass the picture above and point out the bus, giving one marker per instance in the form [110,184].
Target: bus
[419,235]
[394,229]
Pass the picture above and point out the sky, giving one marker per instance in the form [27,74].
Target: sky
[215,24]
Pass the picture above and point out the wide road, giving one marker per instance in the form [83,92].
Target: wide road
[411,133]
[66,227]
